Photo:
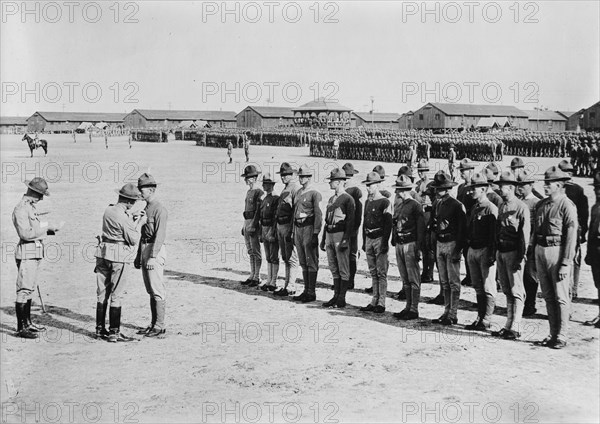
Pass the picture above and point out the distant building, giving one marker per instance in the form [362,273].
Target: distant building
[591,118]
[405,121]
[574,119]
[387,121]
[149,118]
[323,113]
[265,117]
[13,124]
[444,116]
[58,122]
[546,120]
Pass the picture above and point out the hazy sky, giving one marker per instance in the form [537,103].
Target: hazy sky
[83,56]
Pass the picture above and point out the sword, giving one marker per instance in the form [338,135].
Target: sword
[41,300]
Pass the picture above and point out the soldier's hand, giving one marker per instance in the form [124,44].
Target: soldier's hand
[418,255]
[289,237]
[563,272]
[242,230]
[344,244]
[261,239]
[456,258]
[516,267]
[137,263]
[322,246]
[491,261]
[151,264]
[588,259]
[393,241]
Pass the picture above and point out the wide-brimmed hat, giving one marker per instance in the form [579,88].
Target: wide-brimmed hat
[490,175]
[565,166]
[250,171]
[506,177]
[337,174]
[349,169]
[554,173]
[596,182]
[373,177]
[403,182]
[479,179]
[305,171]
[423,165]
[517,163]
[525,177]
[286,169]
[39,185]
[267,179]
[493,167]
[466,164]
[146,180]
[379,169]
[441,180]
[405,170]
[130,191]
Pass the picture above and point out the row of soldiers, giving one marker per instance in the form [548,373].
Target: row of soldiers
[503,231]
[129,235]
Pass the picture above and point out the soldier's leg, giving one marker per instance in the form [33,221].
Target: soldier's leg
[504,276]
[574,289]
[274,260]
[267,248]
[454,283]
[475,260]
[372,263]
[257,254]
[595,265]
[248,243]
[157,287]
[442,264]
[414,277]
[26,285]
[301,251]
[330,241]
[343,263]
[400,251]
[544,269]
[312,261]
[530,283]
[382,267]
[352,260]
[517,289]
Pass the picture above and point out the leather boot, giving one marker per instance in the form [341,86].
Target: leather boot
[114,318]
[312,284]
[22,330]
[336,292]
[152,319]
[352,275]
[159,326]
[303,295]
[101,332]
[30,325]
[341,300]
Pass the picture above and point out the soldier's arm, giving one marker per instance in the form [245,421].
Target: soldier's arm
[420,218]
[160,226]
[25,229]
[583,214]
[256,217]
[317,211]
[570,231]
[461,241]
[131,231]
[349,211]
[525,231]
[387,225]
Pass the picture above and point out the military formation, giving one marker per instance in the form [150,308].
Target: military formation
[505,234]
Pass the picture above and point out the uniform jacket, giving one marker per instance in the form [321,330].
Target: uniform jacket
[285,206]
[268,217]
[119,234]
[308,206]
[409,223]
[513,227]
[29,229]
[155,228]
[252,209]
[339,215]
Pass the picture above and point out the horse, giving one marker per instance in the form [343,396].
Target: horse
[32,144]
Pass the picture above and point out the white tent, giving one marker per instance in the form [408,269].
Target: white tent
[84,126]
[101,125]
[200,124]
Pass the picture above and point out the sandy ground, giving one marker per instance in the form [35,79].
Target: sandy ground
[235,354]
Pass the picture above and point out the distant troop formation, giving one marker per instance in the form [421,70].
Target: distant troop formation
[497,222]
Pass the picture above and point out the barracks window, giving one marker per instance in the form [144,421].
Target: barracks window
[421,117]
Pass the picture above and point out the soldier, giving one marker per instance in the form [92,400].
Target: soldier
[230,150]
[152,254]
[90,134]
[575,193]
[491,194]
[356,194]
[448,221]
[268,232]
[517,166]
[74,136]
[336,148]
[285,216]
[105,138]
[466,169]
[247,146]
[29,253]
[592,257]
[339,225]
[250,230]
[377,228]
[381,171]
[451,161]
[530,280]
[408,237]
[422,170]
[553,242]
[114,254]
[307,226]
[513,233]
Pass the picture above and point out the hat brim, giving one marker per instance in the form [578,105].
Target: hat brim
[473,185]
[305,175]
[290,172]
[268,182]
[367,182]
[506,182]
[422,169]
[449,184]
[553,180]
[404,188]
[43,193]
[250,175]
[148,185]
[337,178]
[137,197]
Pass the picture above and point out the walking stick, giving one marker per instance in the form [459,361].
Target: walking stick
[41,300]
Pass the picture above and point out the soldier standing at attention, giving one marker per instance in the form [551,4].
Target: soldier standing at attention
[481,254]
[90,134]
[356,194]
[247,146]
[451,161]
[114,254]
[575,193]
[250,230]
[553,242]
[448,221]
[408,237]
[105,138]
[339,225]
[152,254]
[307,226]
[513,233]
[230,150]
[466,169]
[268,232]
[592,257]
[377,228]
[285,216]
[74,137]
[29,253]
[517,166]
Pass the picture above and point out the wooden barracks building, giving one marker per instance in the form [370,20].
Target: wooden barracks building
[149,118]
[265,117]
[69,121]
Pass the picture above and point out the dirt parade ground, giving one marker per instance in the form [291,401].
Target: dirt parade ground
[237,354]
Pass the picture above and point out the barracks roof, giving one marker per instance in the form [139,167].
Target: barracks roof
[377,117]
[453,109]
[271,111]
[567,114]
[322,105]
[186,115]
[544,115]
[13,120]
[80,116]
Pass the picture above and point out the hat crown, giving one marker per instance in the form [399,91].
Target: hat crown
[480,178]
[379,170]
[130,191]
[39,185]
[286,168]
[423,165]
[517,163]
[466,164]
[441,177]
[146,180]
[596,182]
[508,177]
[250,171]
[349,169]
[305,171]
[337,174]
[565,166]
[404,181]
[267,178]
[373,177]
[405,170]
[554,173]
